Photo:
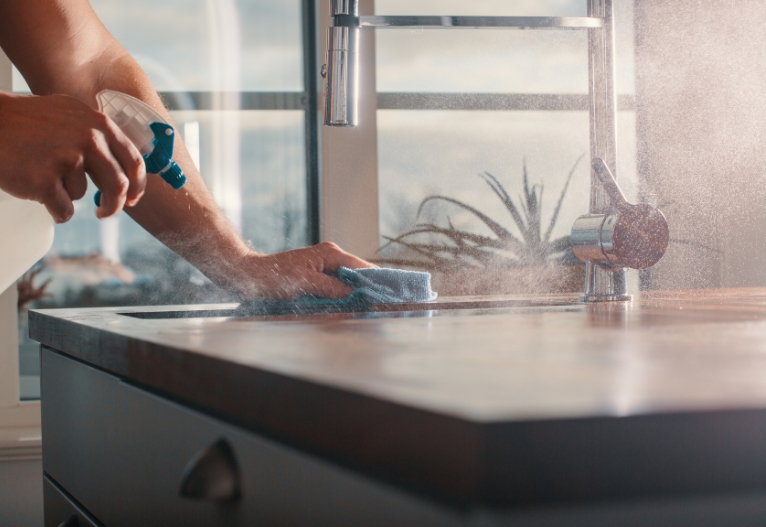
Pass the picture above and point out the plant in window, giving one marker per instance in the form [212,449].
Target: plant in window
[28,291]
[523,245]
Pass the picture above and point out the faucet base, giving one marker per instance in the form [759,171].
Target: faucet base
[589,299]
[604,285]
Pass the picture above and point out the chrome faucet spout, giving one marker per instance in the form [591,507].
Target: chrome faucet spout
[341,64]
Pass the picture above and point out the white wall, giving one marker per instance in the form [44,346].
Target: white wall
[21,493]
[21,481]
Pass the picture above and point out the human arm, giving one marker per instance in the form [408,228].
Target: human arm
[61,47]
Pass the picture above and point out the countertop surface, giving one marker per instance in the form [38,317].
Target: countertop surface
[490,400]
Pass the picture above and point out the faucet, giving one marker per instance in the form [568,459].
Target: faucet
[628,236]
[615,235]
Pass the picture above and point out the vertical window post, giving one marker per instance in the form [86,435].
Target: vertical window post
[9,325]
[311,47]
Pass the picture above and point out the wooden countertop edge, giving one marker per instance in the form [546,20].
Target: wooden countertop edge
[431,454]
[451,460]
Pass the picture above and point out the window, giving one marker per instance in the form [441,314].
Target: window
[454,104]
[232,75]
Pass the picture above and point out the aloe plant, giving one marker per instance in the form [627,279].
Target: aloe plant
[435,247]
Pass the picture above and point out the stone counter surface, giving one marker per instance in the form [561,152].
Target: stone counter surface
[490,401]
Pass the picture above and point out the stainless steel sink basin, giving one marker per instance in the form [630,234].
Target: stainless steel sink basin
[287,309]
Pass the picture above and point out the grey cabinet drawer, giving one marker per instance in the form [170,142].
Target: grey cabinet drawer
[121,453]
[62,511]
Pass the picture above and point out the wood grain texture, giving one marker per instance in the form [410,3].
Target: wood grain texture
[532,401]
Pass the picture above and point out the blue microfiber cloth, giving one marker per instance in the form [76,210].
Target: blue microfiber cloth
[384,286]
[372,286]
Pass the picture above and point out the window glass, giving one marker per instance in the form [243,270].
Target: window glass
[423,153]
[502,61]
[496,61]
[445,152]
[210,45]
[483,7]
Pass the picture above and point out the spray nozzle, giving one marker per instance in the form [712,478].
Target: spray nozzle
[148,131]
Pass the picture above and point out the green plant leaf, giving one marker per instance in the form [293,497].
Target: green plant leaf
[454,248]
[525,178]
[498,189]
[432,251]
[531,207]
[459,237]
[495,227]
[556,211]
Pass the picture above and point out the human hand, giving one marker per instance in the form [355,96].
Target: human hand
[47,144]
[291,274]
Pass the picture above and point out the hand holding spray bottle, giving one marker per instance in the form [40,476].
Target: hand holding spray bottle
[146,128]
[26,228]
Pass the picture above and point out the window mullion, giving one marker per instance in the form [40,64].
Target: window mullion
[9,322]
[311,108]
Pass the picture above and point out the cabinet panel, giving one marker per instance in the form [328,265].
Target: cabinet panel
[61,511]
[121,452]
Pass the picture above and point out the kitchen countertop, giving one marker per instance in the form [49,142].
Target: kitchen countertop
[491,401]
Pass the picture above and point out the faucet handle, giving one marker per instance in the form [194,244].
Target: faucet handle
[608,181]
[632,236]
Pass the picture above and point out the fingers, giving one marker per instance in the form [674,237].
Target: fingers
[75,182]
[130,160]
[324,285]
[59,204]
[108,176]
[115,165]
[57,139]
[334,257]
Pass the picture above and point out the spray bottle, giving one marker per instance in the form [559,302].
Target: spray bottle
[26,234]
[146,128]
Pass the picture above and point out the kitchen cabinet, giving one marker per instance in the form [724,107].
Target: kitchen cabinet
[501,411]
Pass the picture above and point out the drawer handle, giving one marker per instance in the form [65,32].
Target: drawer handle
[212,474]
[72,521]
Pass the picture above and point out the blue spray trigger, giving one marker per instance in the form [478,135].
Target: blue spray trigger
[159,161]
[164,141]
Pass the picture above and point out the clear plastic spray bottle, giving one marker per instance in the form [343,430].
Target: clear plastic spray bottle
[26,234]
[146,128]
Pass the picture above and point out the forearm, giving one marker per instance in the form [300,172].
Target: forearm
[186,220]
